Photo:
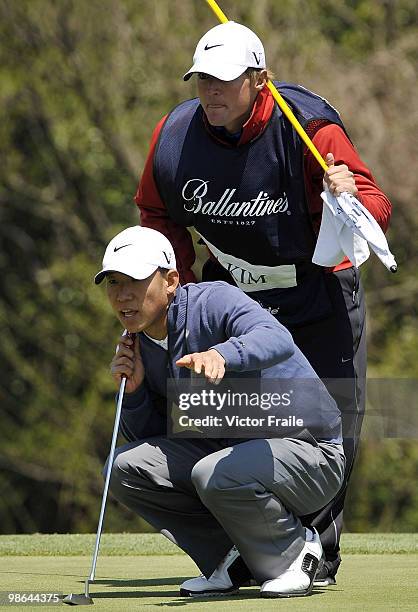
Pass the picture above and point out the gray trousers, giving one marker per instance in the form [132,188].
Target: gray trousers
[206,496]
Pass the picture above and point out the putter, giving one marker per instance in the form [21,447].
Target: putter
[84,599]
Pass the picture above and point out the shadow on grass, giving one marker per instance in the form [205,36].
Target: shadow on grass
[181,601]
[140,582]
[166,594]
[243,595]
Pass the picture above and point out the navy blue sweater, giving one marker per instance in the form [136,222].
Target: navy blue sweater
[253,343]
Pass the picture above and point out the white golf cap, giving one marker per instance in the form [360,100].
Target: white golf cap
[137,252]
[226,51]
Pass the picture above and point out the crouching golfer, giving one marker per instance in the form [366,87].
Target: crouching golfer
[234,508]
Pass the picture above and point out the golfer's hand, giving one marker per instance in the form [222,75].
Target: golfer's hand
[211,362]
[128,362]
[339,178]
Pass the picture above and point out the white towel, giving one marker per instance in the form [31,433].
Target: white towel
[347,229]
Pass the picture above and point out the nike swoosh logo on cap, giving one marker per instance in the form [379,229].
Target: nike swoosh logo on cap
[207,47]
[121,247]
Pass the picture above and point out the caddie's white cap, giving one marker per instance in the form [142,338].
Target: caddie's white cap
[137,252]
[226,51]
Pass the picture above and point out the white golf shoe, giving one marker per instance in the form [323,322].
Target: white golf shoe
[219,583]
[298,579]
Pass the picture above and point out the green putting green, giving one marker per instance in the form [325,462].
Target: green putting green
[140,571]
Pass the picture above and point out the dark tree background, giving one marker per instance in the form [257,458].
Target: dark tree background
[82,84]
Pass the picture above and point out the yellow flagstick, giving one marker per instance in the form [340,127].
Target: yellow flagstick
[218,11]
[279,99]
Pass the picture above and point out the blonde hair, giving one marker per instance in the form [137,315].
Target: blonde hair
[253,74]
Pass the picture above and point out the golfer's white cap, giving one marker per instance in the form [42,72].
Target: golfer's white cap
[137,252]
[226,51]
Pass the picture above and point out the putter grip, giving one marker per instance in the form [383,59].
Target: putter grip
[132,336]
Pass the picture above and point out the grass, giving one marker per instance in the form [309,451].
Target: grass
[140,544]
[140,571]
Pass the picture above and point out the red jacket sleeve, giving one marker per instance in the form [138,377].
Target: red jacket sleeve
[330,138]
[153,214]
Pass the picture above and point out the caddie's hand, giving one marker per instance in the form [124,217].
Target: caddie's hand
[128,362]
[211,362]
[339,178]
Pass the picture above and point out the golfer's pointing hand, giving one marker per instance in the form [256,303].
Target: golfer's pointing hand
[211,362]
[339,178]
[128,362]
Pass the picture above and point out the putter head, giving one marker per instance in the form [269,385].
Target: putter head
[77,600]
[80,600]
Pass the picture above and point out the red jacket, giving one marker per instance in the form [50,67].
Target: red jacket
[328,138]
